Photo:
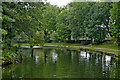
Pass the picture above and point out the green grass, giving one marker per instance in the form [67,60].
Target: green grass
[110,51]
[86,47]
[104,45]
[67,44]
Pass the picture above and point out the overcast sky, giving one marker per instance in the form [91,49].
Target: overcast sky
[59,2]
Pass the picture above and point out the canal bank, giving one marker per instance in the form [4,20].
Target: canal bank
[107,51]
[104,51]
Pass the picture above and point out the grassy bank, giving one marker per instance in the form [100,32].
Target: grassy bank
[106,47]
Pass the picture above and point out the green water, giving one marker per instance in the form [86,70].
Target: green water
[63,63]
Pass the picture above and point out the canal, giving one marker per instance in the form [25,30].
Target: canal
[63,63]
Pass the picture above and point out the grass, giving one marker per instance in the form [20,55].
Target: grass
[86,47]
[110,51]
[104,45]
[67,44]
[95,47]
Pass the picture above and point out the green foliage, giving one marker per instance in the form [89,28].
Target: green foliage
[98,22]
[18,18]
[38,39]
[7,18]
[3,32]
[115,21]
[39,22]
[11,54]
[63,31]
[89,20]
[49,20]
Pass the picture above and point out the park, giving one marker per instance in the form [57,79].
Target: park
[46,41]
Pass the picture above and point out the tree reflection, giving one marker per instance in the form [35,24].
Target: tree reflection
[63,63]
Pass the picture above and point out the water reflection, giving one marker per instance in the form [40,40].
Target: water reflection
[36,59]
[54,57]
[85,55]
[63,63]
[107,59]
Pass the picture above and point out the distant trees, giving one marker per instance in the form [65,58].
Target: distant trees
[77,16]
[80,20]
[89,20]
[97,22]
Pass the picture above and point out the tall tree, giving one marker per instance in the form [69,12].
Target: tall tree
[63,31]
[9,52]
[115,21]
[49,20]
[77,16]
[19,18]
[29,19]
[97,21]
[89,20]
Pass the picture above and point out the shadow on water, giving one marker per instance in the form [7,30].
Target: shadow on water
[63,63]
[32,52]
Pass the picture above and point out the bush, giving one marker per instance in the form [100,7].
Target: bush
[10,55]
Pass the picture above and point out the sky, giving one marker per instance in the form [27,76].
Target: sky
[59,2]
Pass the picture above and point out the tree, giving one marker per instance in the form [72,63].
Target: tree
[28,18]
[49,20]
[63,31]
[115,21]
[97,22]
[89,20]
[73,18]
[9,53]
[18,18]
